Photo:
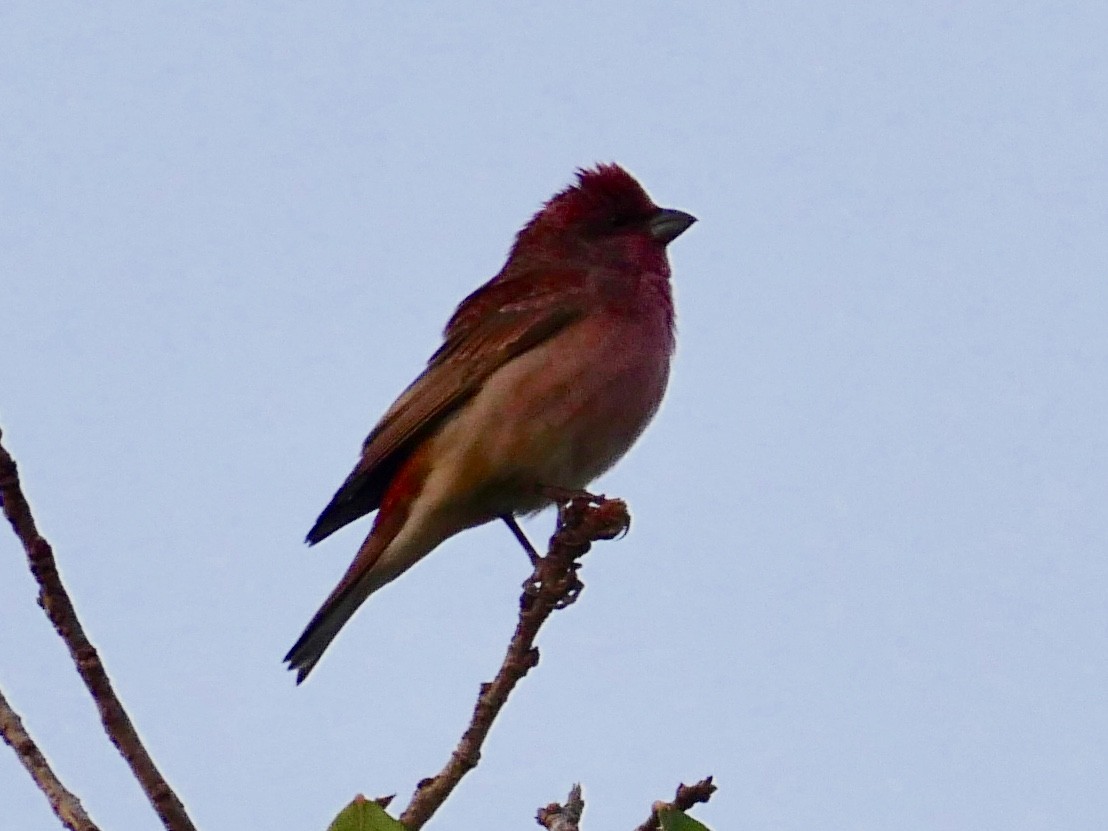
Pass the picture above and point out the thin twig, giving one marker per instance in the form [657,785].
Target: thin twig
[553,585]
[58,607]
[555,817]
[685,798]
[66,805]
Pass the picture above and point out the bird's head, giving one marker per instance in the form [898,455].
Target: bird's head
[606,219]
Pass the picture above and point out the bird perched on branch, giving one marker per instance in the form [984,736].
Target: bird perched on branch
[546,376]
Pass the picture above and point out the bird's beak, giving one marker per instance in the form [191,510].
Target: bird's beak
[668,224]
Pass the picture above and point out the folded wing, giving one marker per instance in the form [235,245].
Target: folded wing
[499,321]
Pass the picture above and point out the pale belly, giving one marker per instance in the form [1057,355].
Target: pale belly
[559,415]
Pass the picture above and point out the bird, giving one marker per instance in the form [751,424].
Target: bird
[546,375]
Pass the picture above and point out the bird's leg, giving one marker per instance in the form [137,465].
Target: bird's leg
[510,521]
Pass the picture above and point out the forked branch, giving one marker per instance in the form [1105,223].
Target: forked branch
[55,601]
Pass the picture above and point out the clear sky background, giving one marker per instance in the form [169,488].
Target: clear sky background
[867,577]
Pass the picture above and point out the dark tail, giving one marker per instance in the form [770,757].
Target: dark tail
[359,582]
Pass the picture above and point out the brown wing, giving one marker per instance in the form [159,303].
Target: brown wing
[493,325]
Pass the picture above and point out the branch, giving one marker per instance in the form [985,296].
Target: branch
[686,797]
[555,817]
[553,585]
[66,805]
[56,603]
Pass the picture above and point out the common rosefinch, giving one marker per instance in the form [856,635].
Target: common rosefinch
[546,376]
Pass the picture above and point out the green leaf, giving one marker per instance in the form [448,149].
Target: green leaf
[363,815]
[674,820]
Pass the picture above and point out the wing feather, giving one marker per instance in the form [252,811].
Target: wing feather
[499,321]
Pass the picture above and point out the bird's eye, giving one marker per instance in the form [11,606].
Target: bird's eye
[612,223]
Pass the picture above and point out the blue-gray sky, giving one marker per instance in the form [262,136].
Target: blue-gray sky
[866,582]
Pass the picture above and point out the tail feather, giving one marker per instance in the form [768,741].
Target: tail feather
[375,565]
[360,581]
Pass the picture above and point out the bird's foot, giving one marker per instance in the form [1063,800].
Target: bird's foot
[607,519]
[582,520]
